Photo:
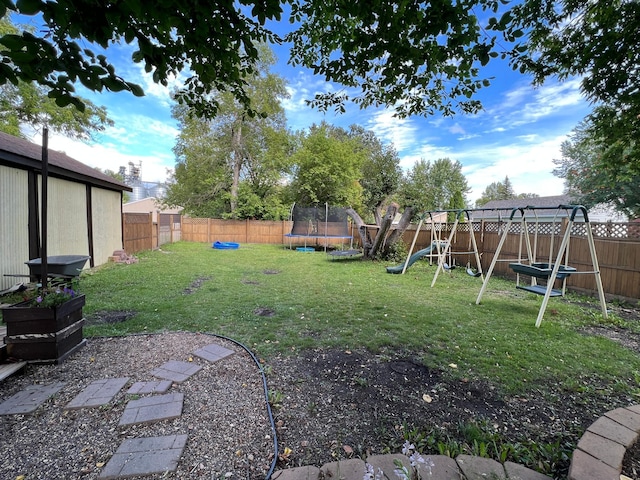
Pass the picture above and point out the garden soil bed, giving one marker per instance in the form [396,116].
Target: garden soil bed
[341,404]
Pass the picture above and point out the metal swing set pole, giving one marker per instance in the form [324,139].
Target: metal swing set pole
[413,244]
[447,247]
[494,260]
[556,267]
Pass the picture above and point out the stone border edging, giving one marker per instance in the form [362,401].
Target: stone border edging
[601,449]
[444,468]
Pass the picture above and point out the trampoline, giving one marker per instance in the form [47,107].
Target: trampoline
[318,225]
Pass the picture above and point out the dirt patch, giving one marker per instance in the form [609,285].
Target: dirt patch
[631,462]
[622,336]
[108,317]
[271,272]
[337,401]
[264,312]
[195,285]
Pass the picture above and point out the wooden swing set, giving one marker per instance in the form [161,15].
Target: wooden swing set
[555,267]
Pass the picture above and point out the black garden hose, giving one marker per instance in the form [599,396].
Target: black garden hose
[266,398]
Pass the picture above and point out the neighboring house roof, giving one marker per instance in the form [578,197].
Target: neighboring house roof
[598,213]
[552,202]
[17,152]
[503,208]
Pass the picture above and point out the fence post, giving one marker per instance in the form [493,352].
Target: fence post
[150,226]
[123,221]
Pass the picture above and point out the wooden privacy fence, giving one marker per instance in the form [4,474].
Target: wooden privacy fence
[140,232]
[209,230]
[617,244]
[137,230]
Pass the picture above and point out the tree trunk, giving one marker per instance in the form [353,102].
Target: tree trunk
[403,224]
[377,214]
[387,221]
[365,240]
[236,138]
[371,247]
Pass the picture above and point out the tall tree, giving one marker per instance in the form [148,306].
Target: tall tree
[416,56]
[596,41]
[202,178]
[497,191]
[434,186]
[591,182]
[501,191]
[26,104]
[249,149]
[327,168]
[381,172]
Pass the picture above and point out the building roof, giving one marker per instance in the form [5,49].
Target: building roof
[149,204]
[504,207]
[17,152]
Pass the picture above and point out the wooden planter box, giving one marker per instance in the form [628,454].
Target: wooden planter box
[44,335]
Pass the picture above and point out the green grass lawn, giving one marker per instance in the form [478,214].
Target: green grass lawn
[317,302]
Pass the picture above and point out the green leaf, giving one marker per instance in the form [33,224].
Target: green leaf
[135,89]
[29,7]
[12,42]
[63,100]
[114,84]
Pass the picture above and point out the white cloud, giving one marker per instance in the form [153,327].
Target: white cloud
[526,105]
[300,116]
[424,152]
[527,163]
[401,132]
[153,167]
[455,129]
[143,141]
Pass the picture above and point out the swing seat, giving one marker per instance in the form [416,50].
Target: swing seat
[473,273]
[542,270]
[540,290]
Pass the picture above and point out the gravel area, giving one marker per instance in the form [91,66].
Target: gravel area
[224,412]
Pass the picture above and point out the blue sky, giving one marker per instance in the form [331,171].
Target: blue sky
[518,133]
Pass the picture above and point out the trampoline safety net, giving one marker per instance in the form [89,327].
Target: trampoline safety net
[320,222]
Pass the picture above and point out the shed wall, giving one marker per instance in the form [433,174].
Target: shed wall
[107,223]
[67,218]
[14,228]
